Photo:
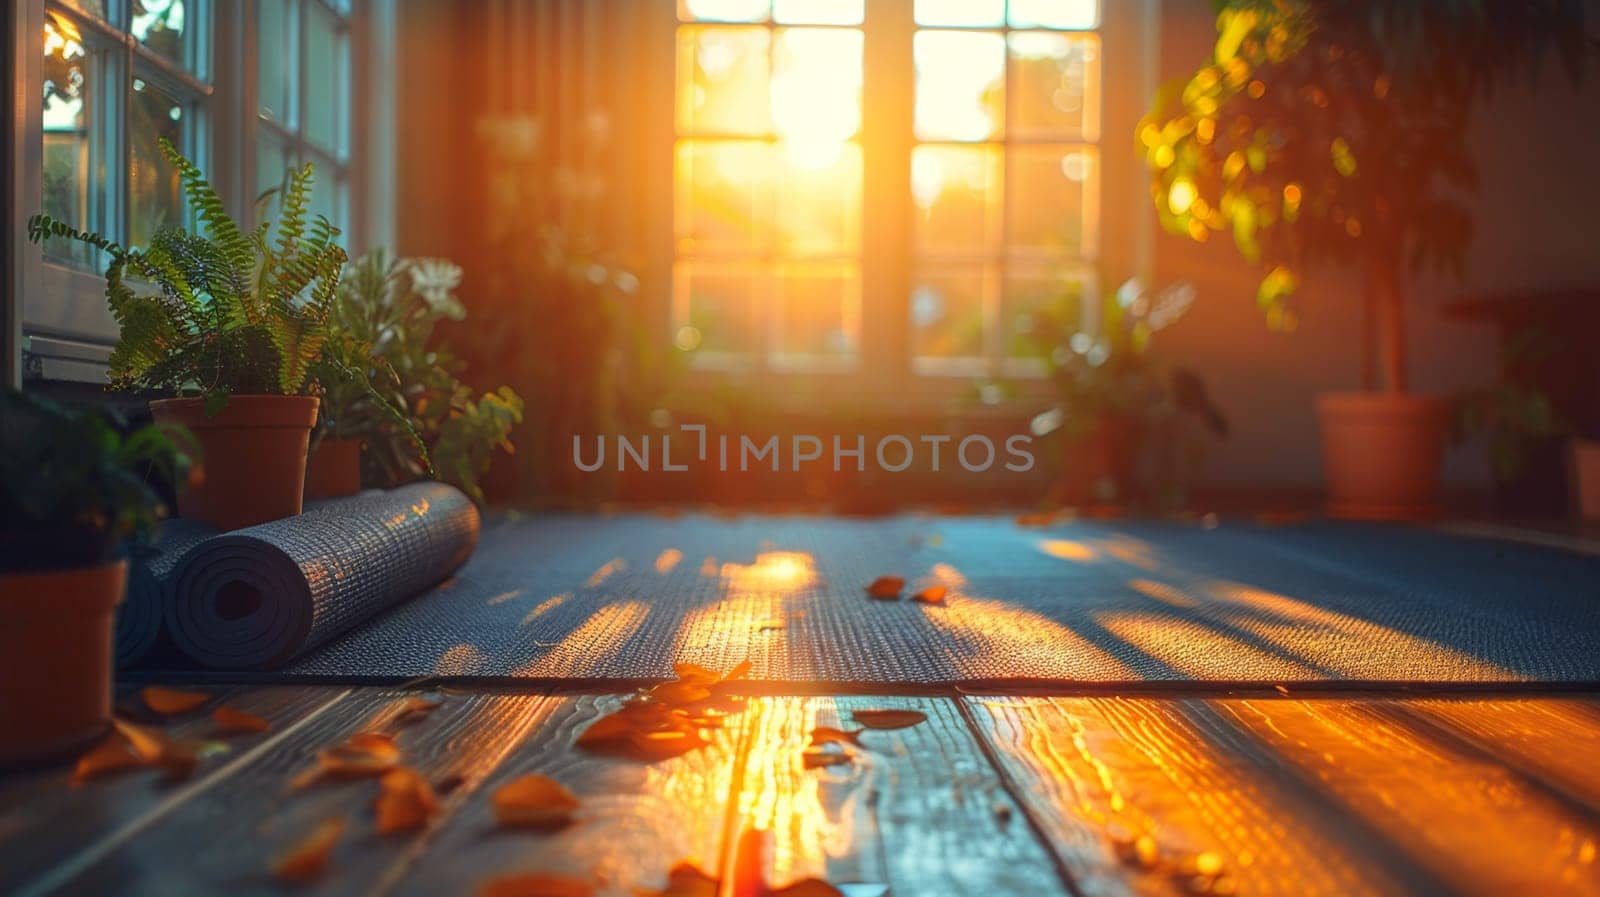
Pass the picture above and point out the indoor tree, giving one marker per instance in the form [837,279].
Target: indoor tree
[1335,133]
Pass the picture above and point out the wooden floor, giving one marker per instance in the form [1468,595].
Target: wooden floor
[1018,795]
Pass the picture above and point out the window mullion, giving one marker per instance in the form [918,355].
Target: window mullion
[886,140]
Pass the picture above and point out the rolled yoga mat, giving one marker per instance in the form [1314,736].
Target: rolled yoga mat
[255,598]
[139,616]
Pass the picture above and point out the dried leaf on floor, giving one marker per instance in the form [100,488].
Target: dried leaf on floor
[886,588]
[806,887]
[685,880]
[227,721]
[535,884]
[666,720]
[931,595]
[829,735]
[888,719]
[533,801]
[306,860]
[172,701]
[110,755]
[405,801]
[362,755]
[415,708]
[177,759]
[816,757]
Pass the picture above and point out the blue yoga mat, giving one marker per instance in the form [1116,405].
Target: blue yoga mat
[256,598]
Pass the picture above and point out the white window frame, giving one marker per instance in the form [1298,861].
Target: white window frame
[57,324]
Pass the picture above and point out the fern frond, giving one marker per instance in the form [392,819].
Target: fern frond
[219,225]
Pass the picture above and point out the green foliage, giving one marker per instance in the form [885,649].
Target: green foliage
[74,488]
[411,407]
[220,311]
[1324,132]
[1514,416]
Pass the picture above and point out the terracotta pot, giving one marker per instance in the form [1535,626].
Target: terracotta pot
[55,659]
[1100,466]
[253,457]
[334,469]
[1585,467]
[1382,453]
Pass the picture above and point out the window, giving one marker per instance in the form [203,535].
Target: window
[1000,159]
[246,89]
[117,76]
[767,224]
[303,99]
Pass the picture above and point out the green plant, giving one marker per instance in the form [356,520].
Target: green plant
[74,488]
[225,311]
[388,311]
[1335,133]
[1514,415]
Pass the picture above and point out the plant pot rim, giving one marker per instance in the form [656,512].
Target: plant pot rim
[249,410]
[1379,401]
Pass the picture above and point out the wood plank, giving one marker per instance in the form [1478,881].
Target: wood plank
[1475,823]
[920,810]
[1141,796]
[636,820]
[224,838]
[1557,739]
[45,817]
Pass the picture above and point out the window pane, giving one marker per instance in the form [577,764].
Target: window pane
[163,27]
[326,78]
[816,86]
[72,187]
[93,7]
[1055,84]
[947,313]
[1053,13]
[818,12]
[818,312]
[960,12]
[1050,202]
[819,200]
[715,308]
[275,60]
[327,196]
[957,194]
[1040,309]
[960,85]
[155,200]
[724,201]
[272,161]
[722,80]
[722,10]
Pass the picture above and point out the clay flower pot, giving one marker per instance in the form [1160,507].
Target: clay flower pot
[1382,453]
[252,457]
[55,659]
[334,469]
[1585,476]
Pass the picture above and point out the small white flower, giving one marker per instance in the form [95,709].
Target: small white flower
[435,281]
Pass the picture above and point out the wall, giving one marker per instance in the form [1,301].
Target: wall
[1535,211]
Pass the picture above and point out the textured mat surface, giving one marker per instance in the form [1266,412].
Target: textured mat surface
[140,635]
[255,598]
[583,597]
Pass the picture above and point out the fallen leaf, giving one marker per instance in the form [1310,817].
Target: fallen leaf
[154,748]
[172,701]
[888,719]
[405,801]
[417,707]
[886,588]
[227,721]
[685,880]
[110,755]
[362,755]
[535,884]
[930,595]
[827,734]
[817,757]
[307,859]
[535,801]
[806,887]
[665,720]
[770,625]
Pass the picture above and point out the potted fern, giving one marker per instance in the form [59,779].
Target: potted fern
[234,323]
[1335,135]
[73,494]
[389,310]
